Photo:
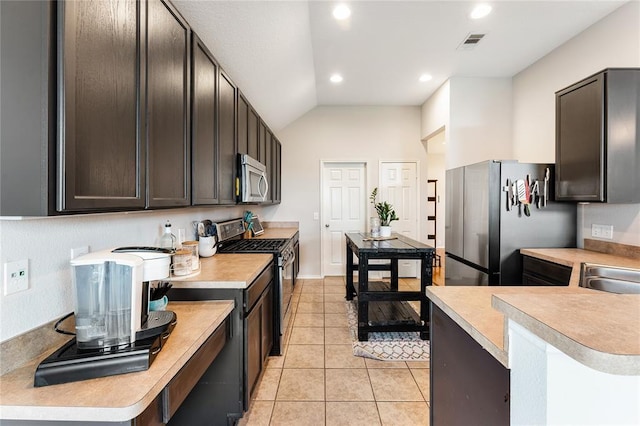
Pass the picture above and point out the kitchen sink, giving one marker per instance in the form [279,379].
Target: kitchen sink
[612,279]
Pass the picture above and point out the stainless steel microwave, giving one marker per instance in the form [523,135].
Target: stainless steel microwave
[254,185]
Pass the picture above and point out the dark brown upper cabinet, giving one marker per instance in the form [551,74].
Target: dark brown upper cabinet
[168,95]
[243,116]
[598,138]
[268,162]
[276,179]
[204,139]
[252,133]
[227,139]
[262,143]
[102,150]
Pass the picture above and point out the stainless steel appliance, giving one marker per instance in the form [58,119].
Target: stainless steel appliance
[229,235]
[254,184]
[114,331]
[485,225]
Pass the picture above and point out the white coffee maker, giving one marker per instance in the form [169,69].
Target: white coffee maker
[111,295]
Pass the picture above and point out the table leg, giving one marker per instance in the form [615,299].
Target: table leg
[394,275]
[363,286]
[350,289]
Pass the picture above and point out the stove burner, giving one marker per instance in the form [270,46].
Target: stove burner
[255,245]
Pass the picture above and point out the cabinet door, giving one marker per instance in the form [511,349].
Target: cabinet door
[268,162]
[277,172]
[168,60]
[254,342]
[267,323]
[262,143]
[252,133]
[204,143]
[580,141]
[227,139]
[243,111]
[102,160]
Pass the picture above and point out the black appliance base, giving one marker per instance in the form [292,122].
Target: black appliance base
[70,364]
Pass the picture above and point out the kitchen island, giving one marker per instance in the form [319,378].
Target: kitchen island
[121,398]
[570,355]
[396,317]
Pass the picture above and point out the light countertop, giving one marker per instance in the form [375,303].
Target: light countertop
[115,398]
[286,232]
[573,257]
[471,308]
[225,270]
[599,329]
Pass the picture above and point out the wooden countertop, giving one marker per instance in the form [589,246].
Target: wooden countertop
[598,329]
[471,308]
[573,257]
[225,270]
[287,232]
[115,398]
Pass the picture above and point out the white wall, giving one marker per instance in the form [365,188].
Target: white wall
[477,116]
[612,42]
[47,242]
[434,113]
[480,120]
[368,134]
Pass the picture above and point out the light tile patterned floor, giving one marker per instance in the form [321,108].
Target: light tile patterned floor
[319,382]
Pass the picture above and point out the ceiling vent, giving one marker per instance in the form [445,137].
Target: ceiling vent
[470,41]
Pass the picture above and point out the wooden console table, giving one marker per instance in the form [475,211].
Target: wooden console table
[400,247]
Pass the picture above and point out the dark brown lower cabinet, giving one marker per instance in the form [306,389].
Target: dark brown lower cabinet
[223,393]
[468,385]
[542,272]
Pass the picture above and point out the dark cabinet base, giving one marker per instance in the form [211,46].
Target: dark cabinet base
[468,385]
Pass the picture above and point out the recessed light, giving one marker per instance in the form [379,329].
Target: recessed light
[425,77]
[336,78]
[480,11]
[341,12]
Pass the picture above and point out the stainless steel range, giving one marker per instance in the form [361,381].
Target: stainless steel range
[230,241]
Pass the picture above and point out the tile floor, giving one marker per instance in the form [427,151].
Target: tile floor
[319,382]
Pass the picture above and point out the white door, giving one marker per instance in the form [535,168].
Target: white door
[343,210]
[399,187]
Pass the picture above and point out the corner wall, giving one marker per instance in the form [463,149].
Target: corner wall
[612,42]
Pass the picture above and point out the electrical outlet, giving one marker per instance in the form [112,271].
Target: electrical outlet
[602,231]
[79,251]
[16,276]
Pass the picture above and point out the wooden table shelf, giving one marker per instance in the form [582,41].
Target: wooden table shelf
[381,306]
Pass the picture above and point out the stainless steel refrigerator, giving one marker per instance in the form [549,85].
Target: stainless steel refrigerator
[486,226]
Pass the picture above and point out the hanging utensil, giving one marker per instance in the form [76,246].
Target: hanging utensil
[523,196]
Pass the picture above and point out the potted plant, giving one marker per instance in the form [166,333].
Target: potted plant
[386,213]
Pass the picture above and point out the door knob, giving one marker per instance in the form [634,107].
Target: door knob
[326,225]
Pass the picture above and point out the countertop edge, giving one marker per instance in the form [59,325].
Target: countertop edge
[597,360]
[122,413]
[501,355]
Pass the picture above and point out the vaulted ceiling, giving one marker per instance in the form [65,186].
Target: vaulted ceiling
[282,53]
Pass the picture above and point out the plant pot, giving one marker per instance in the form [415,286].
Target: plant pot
[385,231]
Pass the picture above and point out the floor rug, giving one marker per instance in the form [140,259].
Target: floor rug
[386,346]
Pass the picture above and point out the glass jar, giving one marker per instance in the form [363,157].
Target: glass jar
[192,246]
[181,263]
[375,226]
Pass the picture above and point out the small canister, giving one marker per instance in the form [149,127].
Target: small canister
[181,262]
[192,246]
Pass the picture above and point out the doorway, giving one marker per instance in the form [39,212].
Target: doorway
[399,187]
[343,196]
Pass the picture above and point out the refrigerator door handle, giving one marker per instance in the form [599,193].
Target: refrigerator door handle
[467,263]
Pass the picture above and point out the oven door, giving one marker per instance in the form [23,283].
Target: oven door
[286,291]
